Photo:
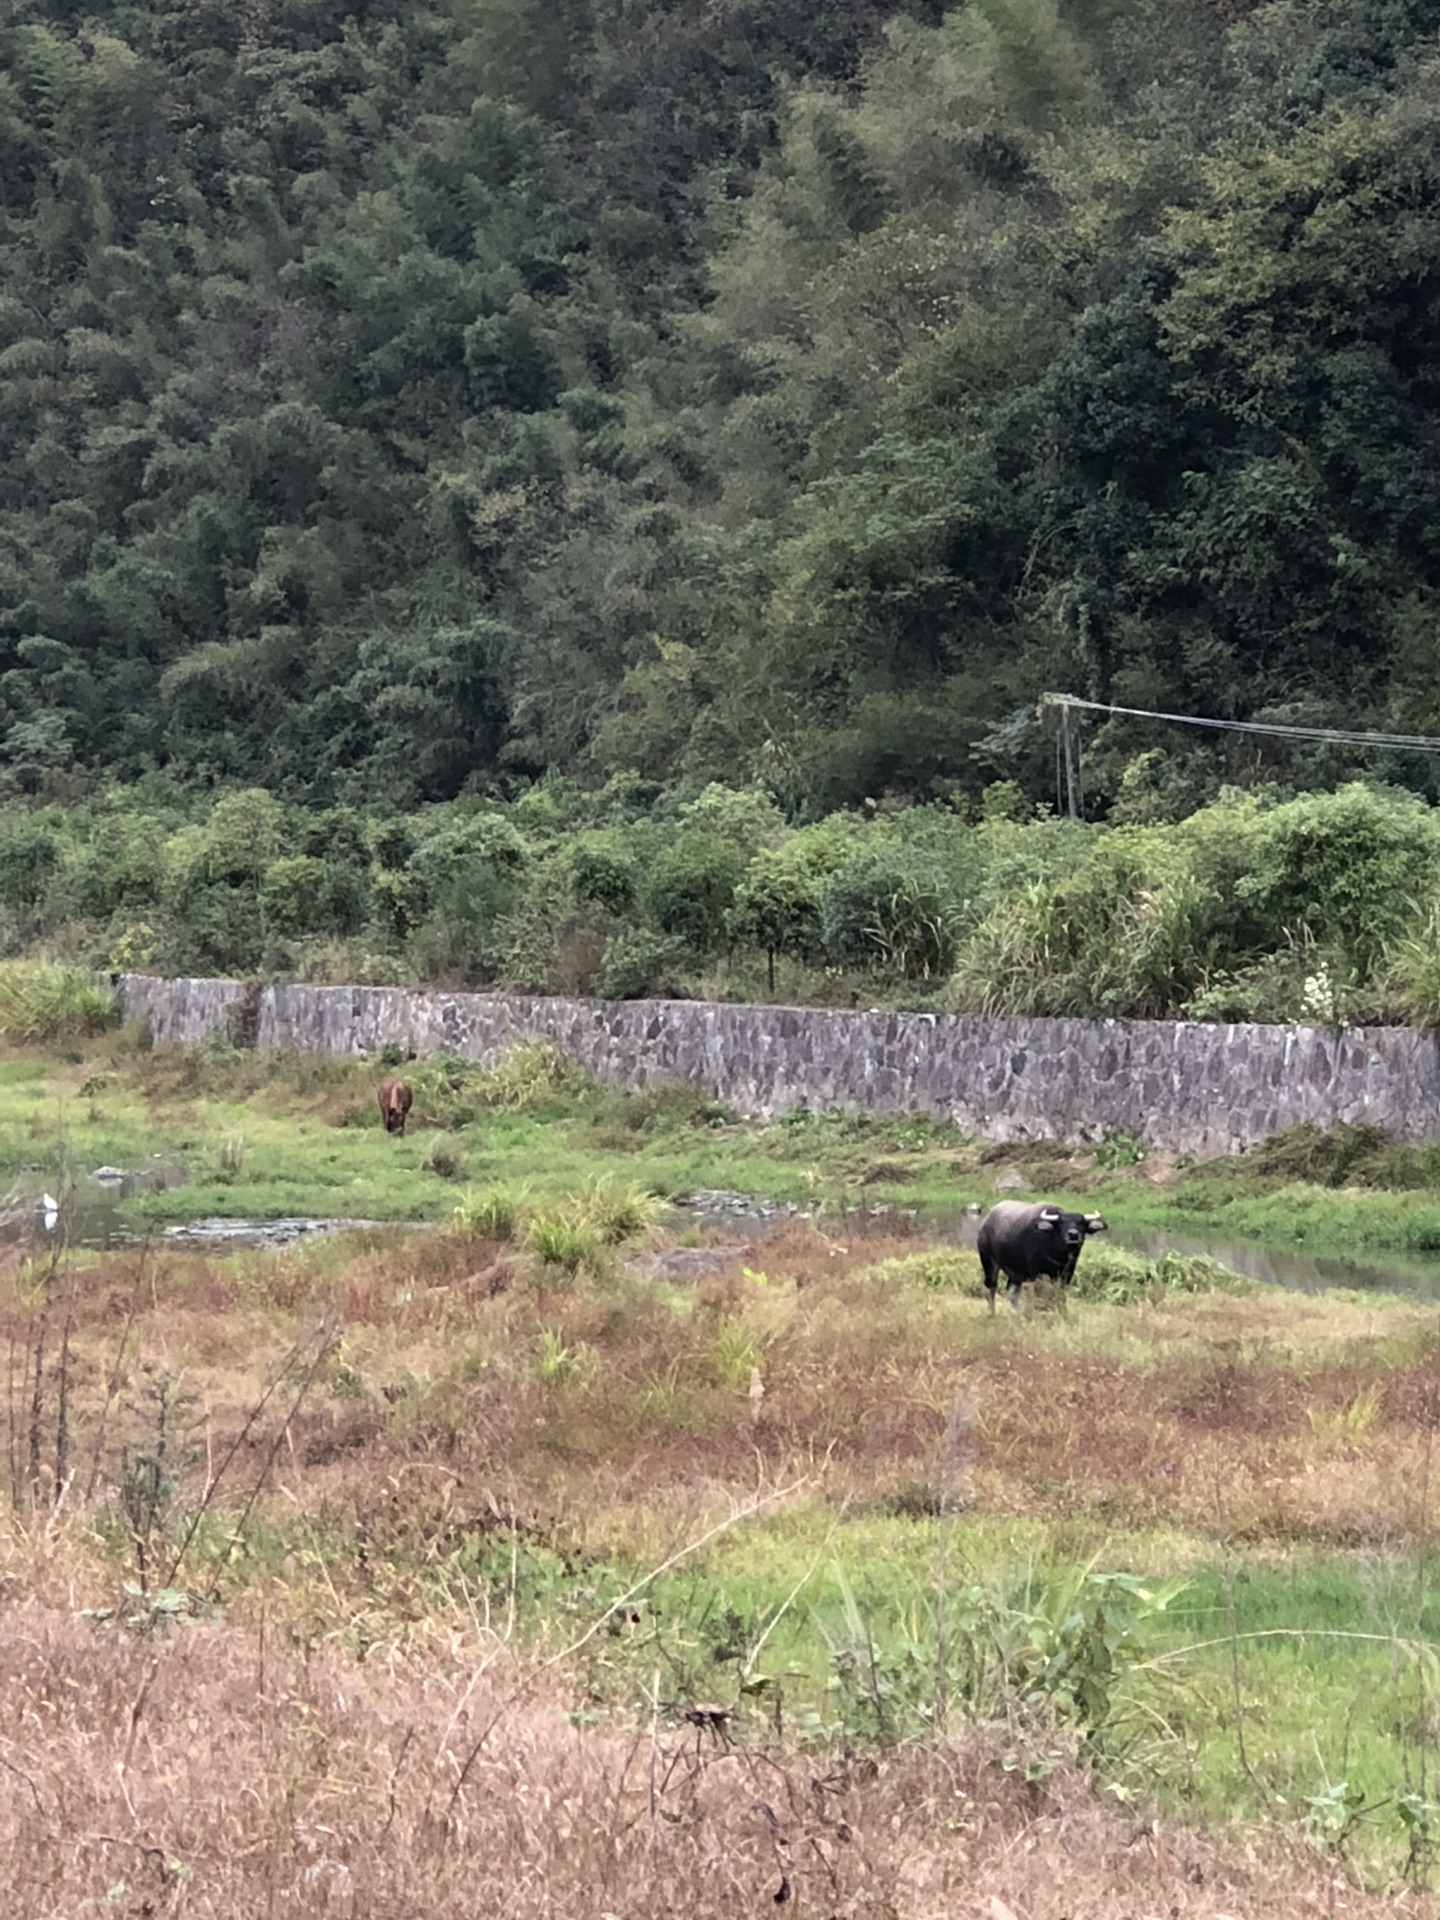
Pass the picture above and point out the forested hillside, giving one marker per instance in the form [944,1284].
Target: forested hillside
[402,399]
[586,494]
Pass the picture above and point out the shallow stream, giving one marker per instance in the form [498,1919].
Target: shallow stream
[90,1216]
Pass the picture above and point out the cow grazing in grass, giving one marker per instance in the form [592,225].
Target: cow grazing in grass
[1031,1243]
[395,1102]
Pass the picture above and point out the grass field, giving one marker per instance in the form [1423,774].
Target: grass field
[499,1569]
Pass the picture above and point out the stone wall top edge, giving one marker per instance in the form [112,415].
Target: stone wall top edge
[1017,1025]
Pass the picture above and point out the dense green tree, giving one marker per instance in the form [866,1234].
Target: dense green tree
[400,403]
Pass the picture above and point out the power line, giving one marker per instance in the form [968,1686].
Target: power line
[1339,736]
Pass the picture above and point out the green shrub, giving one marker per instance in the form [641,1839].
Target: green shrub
[291,896]
[1134,932]
[456,892]
[446,1156]
[946,1269]
[533,1074]
[552,942]
[601,868]
[120,868]
[777,908]
[896,910]
[639,964]
[492,1213]
[1412,968]
[1302,983]
[41,1001]
[618,1217]
[691,886]
[1118,1278]
[1353,1155]
[530,1074]
[1346,866]
[29,860]
[561,1238]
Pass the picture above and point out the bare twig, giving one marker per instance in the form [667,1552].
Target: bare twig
[136,1710]
[112,1383]
[322,1338]
[1233,1642]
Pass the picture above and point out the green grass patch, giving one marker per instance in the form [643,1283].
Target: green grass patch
[1321,1219]
[312,1139]
[1228,1691]
[894,1627]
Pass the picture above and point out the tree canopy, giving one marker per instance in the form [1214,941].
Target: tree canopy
[400,401]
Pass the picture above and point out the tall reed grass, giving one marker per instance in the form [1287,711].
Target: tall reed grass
[40,1000]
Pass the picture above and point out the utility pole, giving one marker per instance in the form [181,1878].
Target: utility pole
[1058,711]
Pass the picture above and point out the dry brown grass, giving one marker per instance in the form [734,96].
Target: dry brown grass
[1316,1420]
[298,1752]
[221,1773]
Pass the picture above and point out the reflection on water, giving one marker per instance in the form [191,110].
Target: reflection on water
[88,1213]
[1282,1267]
[1272,1266]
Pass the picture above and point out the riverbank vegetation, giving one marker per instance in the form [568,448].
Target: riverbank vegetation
[1322,908]
[743,1531]
[223,1131]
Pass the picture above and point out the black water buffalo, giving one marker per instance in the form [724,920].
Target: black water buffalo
[1031,1243]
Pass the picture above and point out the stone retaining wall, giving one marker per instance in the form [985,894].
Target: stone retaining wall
[1172,1084]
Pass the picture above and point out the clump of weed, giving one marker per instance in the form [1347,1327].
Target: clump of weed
[561,1365]
[1119,1278]
[662,1110]
[1119,1150]
[735,1354]
[230,1158]
[575,1233]
[446,1156]
[1331,1157]
[560,1239]
[1344,1430]
[42,1001]
[1354,1154]
[1414,971]
[492,1213]
[946,1269]
[530,1076]
[1105,1273]
[620,1216]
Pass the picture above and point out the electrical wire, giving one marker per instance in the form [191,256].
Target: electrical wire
[1339,736]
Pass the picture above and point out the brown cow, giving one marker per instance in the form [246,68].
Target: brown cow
[395,1102]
